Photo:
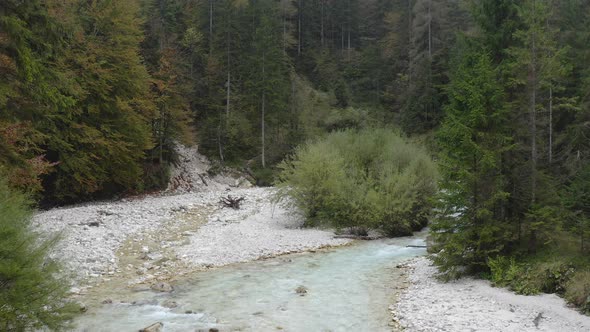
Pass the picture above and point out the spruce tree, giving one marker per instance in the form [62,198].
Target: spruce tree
[472,139]
[32,293]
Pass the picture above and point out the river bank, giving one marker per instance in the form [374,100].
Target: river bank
[473,305]
[175,232]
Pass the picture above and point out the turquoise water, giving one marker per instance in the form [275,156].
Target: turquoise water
[349,289]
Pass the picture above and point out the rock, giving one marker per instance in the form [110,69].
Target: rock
[83,307]
[145,250]
[144,302]
[213,329]
[107,301]
[162,287]
[301,290]
[156,327]
[105,212]
[169,304]
[154,256]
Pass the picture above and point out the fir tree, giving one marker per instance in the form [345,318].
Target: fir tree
[473,138]
[32,294]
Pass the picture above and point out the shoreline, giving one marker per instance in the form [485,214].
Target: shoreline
[156,238]
[474,305]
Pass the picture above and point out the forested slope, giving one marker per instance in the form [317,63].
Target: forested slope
[94,93]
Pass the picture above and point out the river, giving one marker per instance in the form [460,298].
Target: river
[348,289]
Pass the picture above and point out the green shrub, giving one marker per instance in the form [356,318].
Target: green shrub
[370,178]
[31,296]
[554,276]
[577,290]
[530,278]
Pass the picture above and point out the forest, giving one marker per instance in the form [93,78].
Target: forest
[95,94]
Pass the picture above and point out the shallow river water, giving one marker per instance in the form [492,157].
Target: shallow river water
[348,289]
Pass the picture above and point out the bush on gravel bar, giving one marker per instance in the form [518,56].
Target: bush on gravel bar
[371,178]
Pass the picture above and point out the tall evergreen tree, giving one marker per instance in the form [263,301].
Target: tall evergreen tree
[473,140]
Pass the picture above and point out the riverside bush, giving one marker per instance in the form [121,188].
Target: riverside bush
[370,178]
[31,296]
[577,290]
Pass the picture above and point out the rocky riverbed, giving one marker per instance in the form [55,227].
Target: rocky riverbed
[179,231]
[473,305]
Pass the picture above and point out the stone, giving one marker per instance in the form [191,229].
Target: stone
[156,327]
[169,304]
[301,290]
[162,287]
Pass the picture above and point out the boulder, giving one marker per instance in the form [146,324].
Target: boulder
[169,304]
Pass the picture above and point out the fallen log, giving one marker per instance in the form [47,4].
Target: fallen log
[415,246]
[357,237]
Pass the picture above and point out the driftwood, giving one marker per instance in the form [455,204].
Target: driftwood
[415,246]
[203,179]
[231,202]
[357,237]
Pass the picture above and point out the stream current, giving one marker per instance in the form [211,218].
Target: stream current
[348,289]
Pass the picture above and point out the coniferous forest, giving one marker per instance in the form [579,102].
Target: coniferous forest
[95,94]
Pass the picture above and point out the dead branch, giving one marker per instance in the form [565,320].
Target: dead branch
[231,202]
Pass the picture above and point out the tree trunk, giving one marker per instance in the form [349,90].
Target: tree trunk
[285,28]
[409,42]
[349,28]
[210,26]
[228,83]
[533,115]
[429,31]
[322,24]
[533,129]
[228,95]
[550,125]
[299,29]
[219,144]
[262,124]
[342,39]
